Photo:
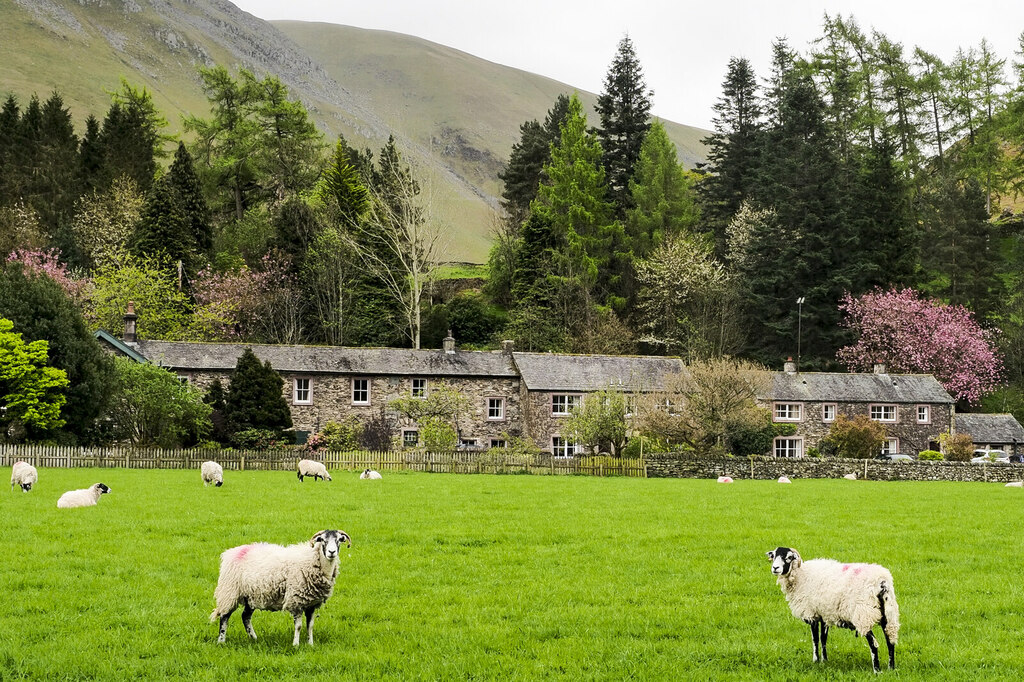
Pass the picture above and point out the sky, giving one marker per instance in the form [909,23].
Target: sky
[683,47]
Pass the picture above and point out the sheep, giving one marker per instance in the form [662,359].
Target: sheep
[308,467]
[724,479]
[82,498]
[25,475]
[823,593]
[370,474]
[298,579]
[1015,484]
[850,477]
[212,473]
[784,479]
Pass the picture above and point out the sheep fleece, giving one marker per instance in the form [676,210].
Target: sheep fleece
[23,473]
[79,498]
[212,472]
[842,593]
[272,578]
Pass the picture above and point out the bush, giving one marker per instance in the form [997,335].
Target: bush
[930,456]
[857,438]
[344,435]
[958,448]
[437,434]
[813,452]
[632,448]
[260,439]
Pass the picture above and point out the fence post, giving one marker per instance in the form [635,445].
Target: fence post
[241,462]
[865,469]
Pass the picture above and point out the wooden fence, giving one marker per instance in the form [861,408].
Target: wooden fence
[494,461]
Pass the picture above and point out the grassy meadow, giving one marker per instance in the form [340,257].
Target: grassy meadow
[502,577]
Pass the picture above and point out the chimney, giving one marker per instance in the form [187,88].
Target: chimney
[449,343]
[129,323]
[790,366]
[507,347]
[879,368]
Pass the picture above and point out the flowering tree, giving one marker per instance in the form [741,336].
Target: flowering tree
[913,334]
[47,262]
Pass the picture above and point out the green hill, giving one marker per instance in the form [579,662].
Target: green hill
[454,115]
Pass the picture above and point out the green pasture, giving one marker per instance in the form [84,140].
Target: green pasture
[503,577]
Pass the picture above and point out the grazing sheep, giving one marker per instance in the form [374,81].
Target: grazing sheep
[1015,484]
[724,479]
[370,474]
[308,467]
[784,479]
[25,475]
[298,579]
[823,593]
[212,473]
[82,498]
[850,477]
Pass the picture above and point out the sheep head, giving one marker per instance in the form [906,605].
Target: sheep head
[328,542]
[784,560]
[102,488]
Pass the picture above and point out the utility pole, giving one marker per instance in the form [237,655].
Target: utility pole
[799,328]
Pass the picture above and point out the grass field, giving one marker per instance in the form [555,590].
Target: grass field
[502,577]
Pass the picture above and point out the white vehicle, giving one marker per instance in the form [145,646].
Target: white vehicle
[982,456]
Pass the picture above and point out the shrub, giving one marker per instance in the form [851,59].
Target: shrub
[958,447]
[930,456]
[260,439]
[344,435]
[437,434]
[857,438]
[632,448]
[813,452]
[378,432]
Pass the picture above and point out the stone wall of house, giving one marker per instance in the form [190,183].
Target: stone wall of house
[538,423]
[913,437]
[662,465]
[332,400]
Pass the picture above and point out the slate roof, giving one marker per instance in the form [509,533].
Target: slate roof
[990,428]
[330,359]
[118,345]
[555,372]
[857,388]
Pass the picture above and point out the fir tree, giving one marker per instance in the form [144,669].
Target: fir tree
[183,178]
[341,185]
[164,230]
[90,157]
[255,398]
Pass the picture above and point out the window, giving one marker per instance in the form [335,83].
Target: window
[883,413]
[498,443]
[789,412]
[419,388]
[360,391]
[496,409]
[789,447]
[467,443]
[562,447]
[301,392]
[410,438]
[890,446]
[924,414]
[828,412]
[563,404]
[183,379]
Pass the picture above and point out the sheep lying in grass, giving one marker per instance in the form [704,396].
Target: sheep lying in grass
[823,593]
[784,479]
[25,475]
[298,579]
[82,498]
[725,479]
[850,477]
[308,467]
[1015,484]
[212,473]
[370,474]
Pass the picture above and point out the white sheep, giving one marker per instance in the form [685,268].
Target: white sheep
[850,477]
[823,593]
[784,479]
[298,579]
[1015,484]
[370,474]
[212,473]
[25,475]
[317,470]
[86,497]
[724,479]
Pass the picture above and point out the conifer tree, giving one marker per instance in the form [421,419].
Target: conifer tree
[164,230]
[341,185]
[183,178]
[90,156]
[255,398]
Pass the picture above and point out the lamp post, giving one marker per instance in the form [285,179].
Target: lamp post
[799,328]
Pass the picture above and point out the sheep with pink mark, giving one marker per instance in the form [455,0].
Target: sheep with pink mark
[825,593]
[297,579]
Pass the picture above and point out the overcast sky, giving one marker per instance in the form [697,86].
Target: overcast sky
[684,47]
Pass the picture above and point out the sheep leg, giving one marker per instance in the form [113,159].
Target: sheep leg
[310,617]
[224,626]
[298,627]
[892,650]
[874,650]
[824,641]
[814,641]
[247,612]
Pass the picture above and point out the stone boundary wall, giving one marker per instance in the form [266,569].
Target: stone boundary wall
[673,465]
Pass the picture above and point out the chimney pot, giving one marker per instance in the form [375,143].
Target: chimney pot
[880,368]
[508,346]
[129,323]
[449,343]
[790,366]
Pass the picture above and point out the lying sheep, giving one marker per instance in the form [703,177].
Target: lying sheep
[725,479]
[82,498]
[370,474]
[850,477]
[212,473]
[298,579]
[25,475]
[1015,484]
[784,479]
[308,467]
[823,593]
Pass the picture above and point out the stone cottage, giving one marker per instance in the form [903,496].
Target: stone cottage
[993,432]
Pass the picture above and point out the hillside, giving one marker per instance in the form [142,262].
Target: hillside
[454,115]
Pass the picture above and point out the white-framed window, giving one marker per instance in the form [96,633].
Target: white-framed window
[828,412]
[468,443]
[924,414]
[498,443]
[562,404]
[890,446]
[789,412]
[789,447]
[496,409]
[883,413]
[184,379]
[302,391]
[410,438]
[562,447]
[360,391]
[419,388]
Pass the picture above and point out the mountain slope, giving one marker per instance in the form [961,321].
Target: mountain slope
[455,116]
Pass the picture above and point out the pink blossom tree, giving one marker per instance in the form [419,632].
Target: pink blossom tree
[47,262]
[916,335]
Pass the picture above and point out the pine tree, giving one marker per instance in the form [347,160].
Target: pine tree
[164,230]
[10,116]
[183,178]
[255,398]
[57,188]
[90,157]
[341,185]
[625,112]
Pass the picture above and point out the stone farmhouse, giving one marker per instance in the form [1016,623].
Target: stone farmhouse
[530,395]
[993,432]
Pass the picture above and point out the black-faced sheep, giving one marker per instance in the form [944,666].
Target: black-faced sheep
[25,475]
[298,579]
[370,474]
[82,498]
[317,470]
[823,593]
[212,473]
